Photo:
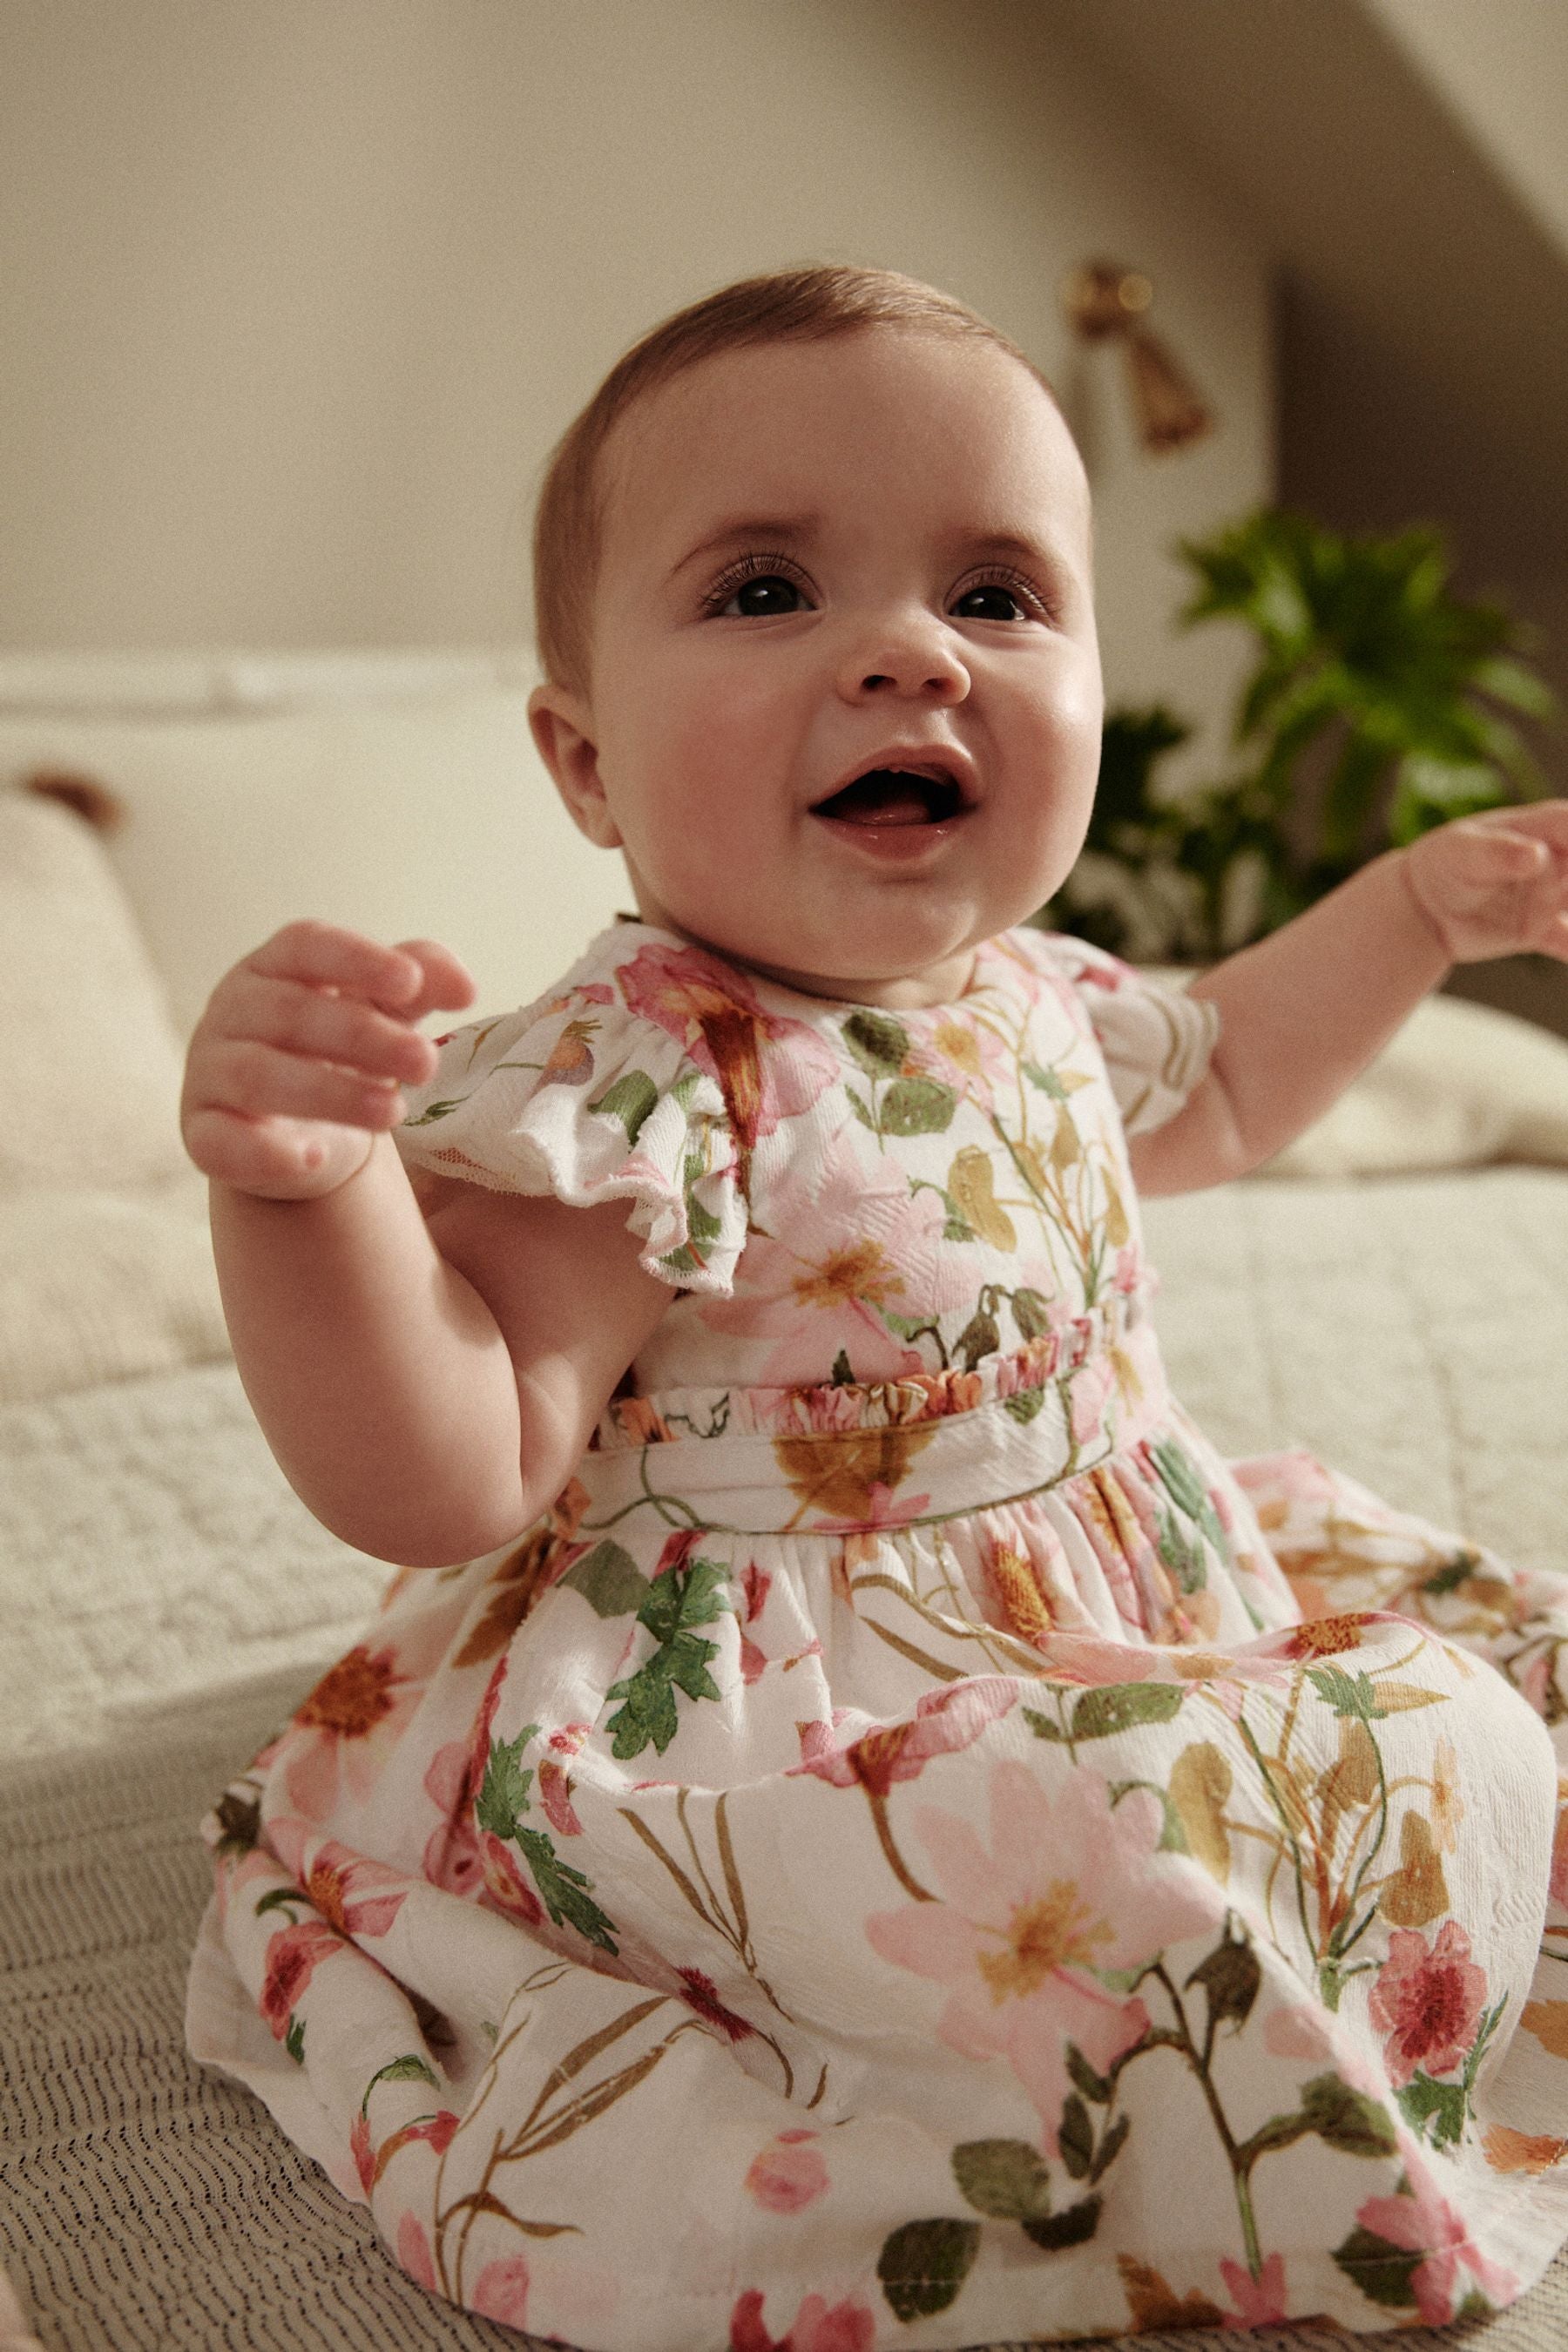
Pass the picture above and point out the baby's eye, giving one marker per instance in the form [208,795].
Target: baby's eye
[758,588]
[753,600]
[993,600]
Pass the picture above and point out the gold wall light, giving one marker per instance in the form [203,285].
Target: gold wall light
[1103,300]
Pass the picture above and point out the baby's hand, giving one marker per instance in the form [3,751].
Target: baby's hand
[298,1061]
[1497,884]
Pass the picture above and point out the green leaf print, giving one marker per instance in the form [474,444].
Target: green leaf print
[1183,1554]
[408,2069]
[565,1892]
[609,1581]
[877,1042]
[1442,2104]
[685,1598]
[504,1794]
[1074,2227]
[1030,1313]
[1023,1404]
[294,2040]
[1076,2138]
[1095,2087]
[1002,2179]
[861,1109]
[923,2265]
[1230,1977]
[1382,2270]
[630,1099]
[1348,2119]
[1046,1080]
[1115,1706]
[918,1107]
[436,1110]
[1348,1695]
[1184,1483]
[979,1337]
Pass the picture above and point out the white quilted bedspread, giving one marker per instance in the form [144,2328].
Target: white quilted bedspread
[1412,1330]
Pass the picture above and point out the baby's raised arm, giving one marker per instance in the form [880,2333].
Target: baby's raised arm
[426,1382]
[1303,1012]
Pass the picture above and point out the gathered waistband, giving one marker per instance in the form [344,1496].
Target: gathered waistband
[853,1458]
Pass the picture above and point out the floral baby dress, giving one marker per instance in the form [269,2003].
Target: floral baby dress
[914,1848]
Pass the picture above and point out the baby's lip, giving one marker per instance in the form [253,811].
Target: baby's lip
[939,764]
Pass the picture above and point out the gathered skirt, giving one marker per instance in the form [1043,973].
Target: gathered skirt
[923,1881]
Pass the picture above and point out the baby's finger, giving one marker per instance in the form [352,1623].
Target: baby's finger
[323,955]
[314,1020]
[258,1081]
[446,981]
[283,1158]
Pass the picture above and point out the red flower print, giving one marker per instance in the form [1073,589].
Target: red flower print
[700,1992]
[1259,2302]
[345,1726]
[847,2327]
[362,2153]
[1426,2002]
[293,1956]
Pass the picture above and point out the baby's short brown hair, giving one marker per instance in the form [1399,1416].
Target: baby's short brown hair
[785,306]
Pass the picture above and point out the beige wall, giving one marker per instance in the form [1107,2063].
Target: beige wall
[296,296]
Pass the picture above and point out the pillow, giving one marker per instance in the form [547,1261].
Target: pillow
[105,1267]
[104,1285]
[89,1067]
[1457,1087]
[429,816]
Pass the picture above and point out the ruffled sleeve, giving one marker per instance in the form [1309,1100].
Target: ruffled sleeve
[1156,1040]
[578,1097]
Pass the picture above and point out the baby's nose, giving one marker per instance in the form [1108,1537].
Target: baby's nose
[917,656]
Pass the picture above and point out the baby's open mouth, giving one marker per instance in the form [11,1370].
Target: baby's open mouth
[888,796]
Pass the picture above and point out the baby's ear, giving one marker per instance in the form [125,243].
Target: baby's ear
[562,728]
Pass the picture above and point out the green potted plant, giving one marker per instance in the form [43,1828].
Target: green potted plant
[1376,708]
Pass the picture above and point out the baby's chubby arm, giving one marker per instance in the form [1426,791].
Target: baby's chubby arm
[426,1380]
[1305,1010]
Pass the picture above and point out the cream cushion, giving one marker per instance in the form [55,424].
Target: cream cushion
[105,1267]
[1459,1085]
[425,817]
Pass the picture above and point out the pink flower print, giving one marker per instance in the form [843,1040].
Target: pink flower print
[1069,1888]
[1421,2221]
[755,1583]
[556,1796]
[351,1893]
[1428,2002]
[944,1721]
[883,1509]
[451,1859]
[847,2327]
[768,1068]
[753,1662]
[790,2174]
[414,2253]
[293,1956]
[346,1727]
[1088,1392]
[506,1889]
[500,2291]
[1259,2302]
[362,2153]
[845,1247]
[965,1055]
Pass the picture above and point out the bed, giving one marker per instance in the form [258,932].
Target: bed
[1392,1294]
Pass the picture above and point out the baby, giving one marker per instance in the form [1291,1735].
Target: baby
[749,1341]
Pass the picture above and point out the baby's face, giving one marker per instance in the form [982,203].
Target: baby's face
[862,559]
